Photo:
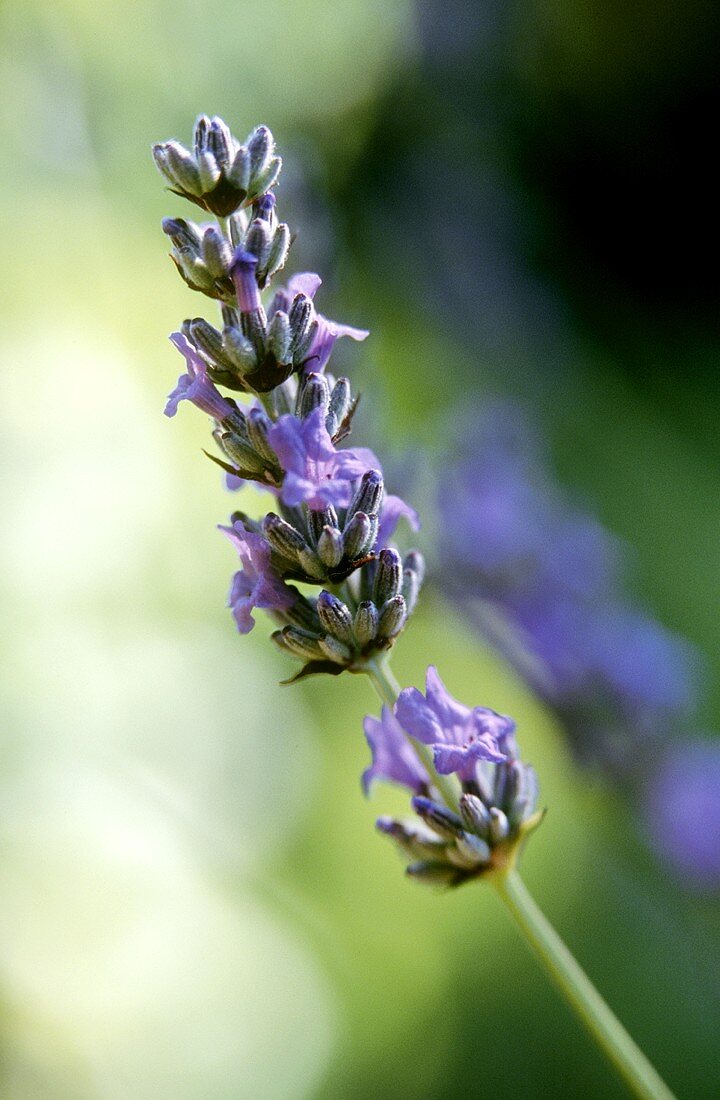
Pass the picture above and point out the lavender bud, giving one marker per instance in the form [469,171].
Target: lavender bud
[358,536]
[410,589]
[239,452]
[334,650]
[320,518]
[239,350]
[388,578]
[283,537]
[441,820]
[220,143]
[237,227]
[475,816]
[392,617]
[432,872]
[279,249]
[239,173]
[209,171]
[258,426]
[340,400]
[499,825]
[200,134]
[216,252]
[311,564]
[411,839]
[182,168]
[279,337]
[415,561]
[208,340]
[260,146]
[330,547]
[301,643]
[301,312]
[265,180]
[368,497]
[335,617]
[473,849]
[366,623]
[257,241]
[302,346]
[313,392]
[184,235]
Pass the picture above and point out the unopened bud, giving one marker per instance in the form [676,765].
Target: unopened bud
[443,821]
[388,578]
[393,616]
[366,623]
[330,547]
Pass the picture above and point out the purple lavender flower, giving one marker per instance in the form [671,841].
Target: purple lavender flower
[459,736]
[195,386]
[392,756]
[327,331]
[682,811]
[541,581]
[256,584]
[315,473]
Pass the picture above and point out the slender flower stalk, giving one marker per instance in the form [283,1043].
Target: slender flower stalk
[332,528]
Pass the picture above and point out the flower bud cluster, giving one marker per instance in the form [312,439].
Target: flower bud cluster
[497,812]
[332,521]
[203,254]
[345,633]
[220,175]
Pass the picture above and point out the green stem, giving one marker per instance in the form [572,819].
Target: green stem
[603,1025]
[388,689]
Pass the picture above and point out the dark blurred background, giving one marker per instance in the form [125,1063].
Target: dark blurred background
[519,201]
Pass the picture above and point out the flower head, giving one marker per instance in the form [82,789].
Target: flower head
[256,584]
[195,386]
[315,473]
[460,736]
[392,756]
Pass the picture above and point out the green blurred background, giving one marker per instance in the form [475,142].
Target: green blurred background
[194,903]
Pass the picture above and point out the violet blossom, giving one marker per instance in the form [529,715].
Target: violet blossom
[393,758]
[195,386]
[256,584]
[315,472]
[459,736]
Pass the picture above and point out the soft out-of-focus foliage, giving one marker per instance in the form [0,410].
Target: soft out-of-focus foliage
[193,900]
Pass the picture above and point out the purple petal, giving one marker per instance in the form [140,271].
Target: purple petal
[392,757]
[416,717]
[307,282]
[449,711]
[393,510]
[326,335]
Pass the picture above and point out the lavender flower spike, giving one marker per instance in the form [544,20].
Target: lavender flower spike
[327,331]
[392,756]
[315,473]
[256,584]
[459,736]
[195,385]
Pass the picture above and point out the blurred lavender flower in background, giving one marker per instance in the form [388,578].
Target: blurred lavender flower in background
[541,580]
[682,811]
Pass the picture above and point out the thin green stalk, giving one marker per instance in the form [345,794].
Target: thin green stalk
[638,1073]
[388,689]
